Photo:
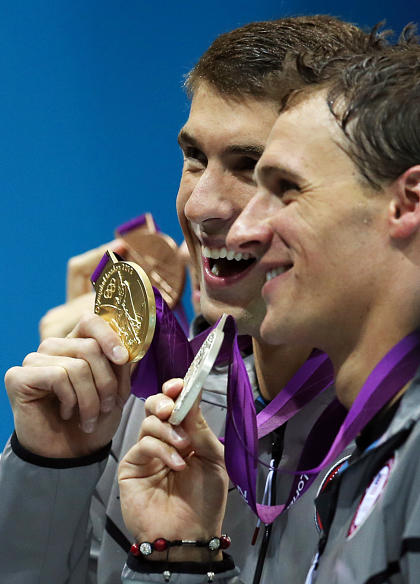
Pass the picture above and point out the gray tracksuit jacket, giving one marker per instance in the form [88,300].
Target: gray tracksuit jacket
[371,527]
[369,513]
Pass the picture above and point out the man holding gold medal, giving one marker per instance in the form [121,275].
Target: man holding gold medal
[71,397]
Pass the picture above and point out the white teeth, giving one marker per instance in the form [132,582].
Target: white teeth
[217,254]
[215,270]
[274,272]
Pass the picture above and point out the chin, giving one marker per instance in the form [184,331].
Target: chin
[246,323]
[270,333]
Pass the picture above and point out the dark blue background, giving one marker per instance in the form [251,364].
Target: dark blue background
[90,106]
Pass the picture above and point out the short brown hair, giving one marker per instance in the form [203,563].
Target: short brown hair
[375,99]
[238,62]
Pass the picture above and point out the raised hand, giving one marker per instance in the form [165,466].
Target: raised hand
[173,482]
[67,397]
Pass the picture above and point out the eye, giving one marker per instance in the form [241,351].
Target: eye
[283,187]
[245,163]
[288,185]
[243,168]
[194,157]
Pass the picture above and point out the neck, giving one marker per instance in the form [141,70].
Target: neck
[353,368]
[276,365]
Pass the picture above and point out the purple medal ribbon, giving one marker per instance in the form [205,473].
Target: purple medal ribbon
[169,354]
[134,223]
[244,427]
[329,435]
[315,375]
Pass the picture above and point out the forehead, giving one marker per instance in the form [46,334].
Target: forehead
[307,139]
[213,115]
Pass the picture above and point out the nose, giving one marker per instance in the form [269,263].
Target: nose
[251,232]
[210,200]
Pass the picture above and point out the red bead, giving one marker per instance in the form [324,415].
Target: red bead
[225,542]
[135,550]
[160,545]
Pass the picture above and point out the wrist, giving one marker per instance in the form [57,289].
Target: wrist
[182,550]
[56,462]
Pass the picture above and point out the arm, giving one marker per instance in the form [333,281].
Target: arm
[173,485]
[45,535]
[49,471]
[409,544]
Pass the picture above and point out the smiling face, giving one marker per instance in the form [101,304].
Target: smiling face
[222,141]
[318,231]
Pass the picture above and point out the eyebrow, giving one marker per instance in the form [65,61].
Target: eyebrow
[255,150]
[263,173]
[185,138]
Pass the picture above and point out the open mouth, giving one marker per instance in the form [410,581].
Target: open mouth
[277,271]
[224,263]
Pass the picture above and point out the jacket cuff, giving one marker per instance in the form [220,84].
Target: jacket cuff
[177,572]
[58,463]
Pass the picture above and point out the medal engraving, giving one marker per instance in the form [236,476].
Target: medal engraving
[197,372]
[125,299]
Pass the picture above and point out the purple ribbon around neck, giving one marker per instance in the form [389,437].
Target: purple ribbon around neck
[331,433]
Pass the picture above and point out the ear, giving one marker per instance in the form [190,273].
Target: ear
[404,208]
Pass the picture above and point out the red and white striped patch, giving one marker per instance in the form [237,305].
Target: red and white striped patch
[370,497]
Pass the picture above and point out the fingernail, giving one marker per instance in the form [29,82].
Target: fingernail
[171,383]
[177,459]
[108,404]
[178,434]
[89,426]
[120,354]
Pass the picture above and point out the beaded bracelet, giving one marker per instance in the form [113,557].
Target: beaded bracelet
[161,544]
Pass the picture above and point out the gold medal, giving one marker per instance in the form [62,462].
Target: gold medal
[125,299]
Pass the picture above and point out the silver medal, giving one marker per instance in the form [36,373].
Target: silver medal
[197,372]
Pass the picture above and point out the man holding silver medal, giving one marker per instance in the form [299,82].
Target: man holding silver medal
[337,218]
[61,445]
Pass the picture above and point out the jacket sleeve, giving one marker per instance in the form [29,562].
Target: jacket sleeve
[141,571]
[44,515]
[409,560]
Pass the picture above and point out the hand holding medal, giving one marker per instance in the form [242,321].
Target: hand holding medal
[163,450]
